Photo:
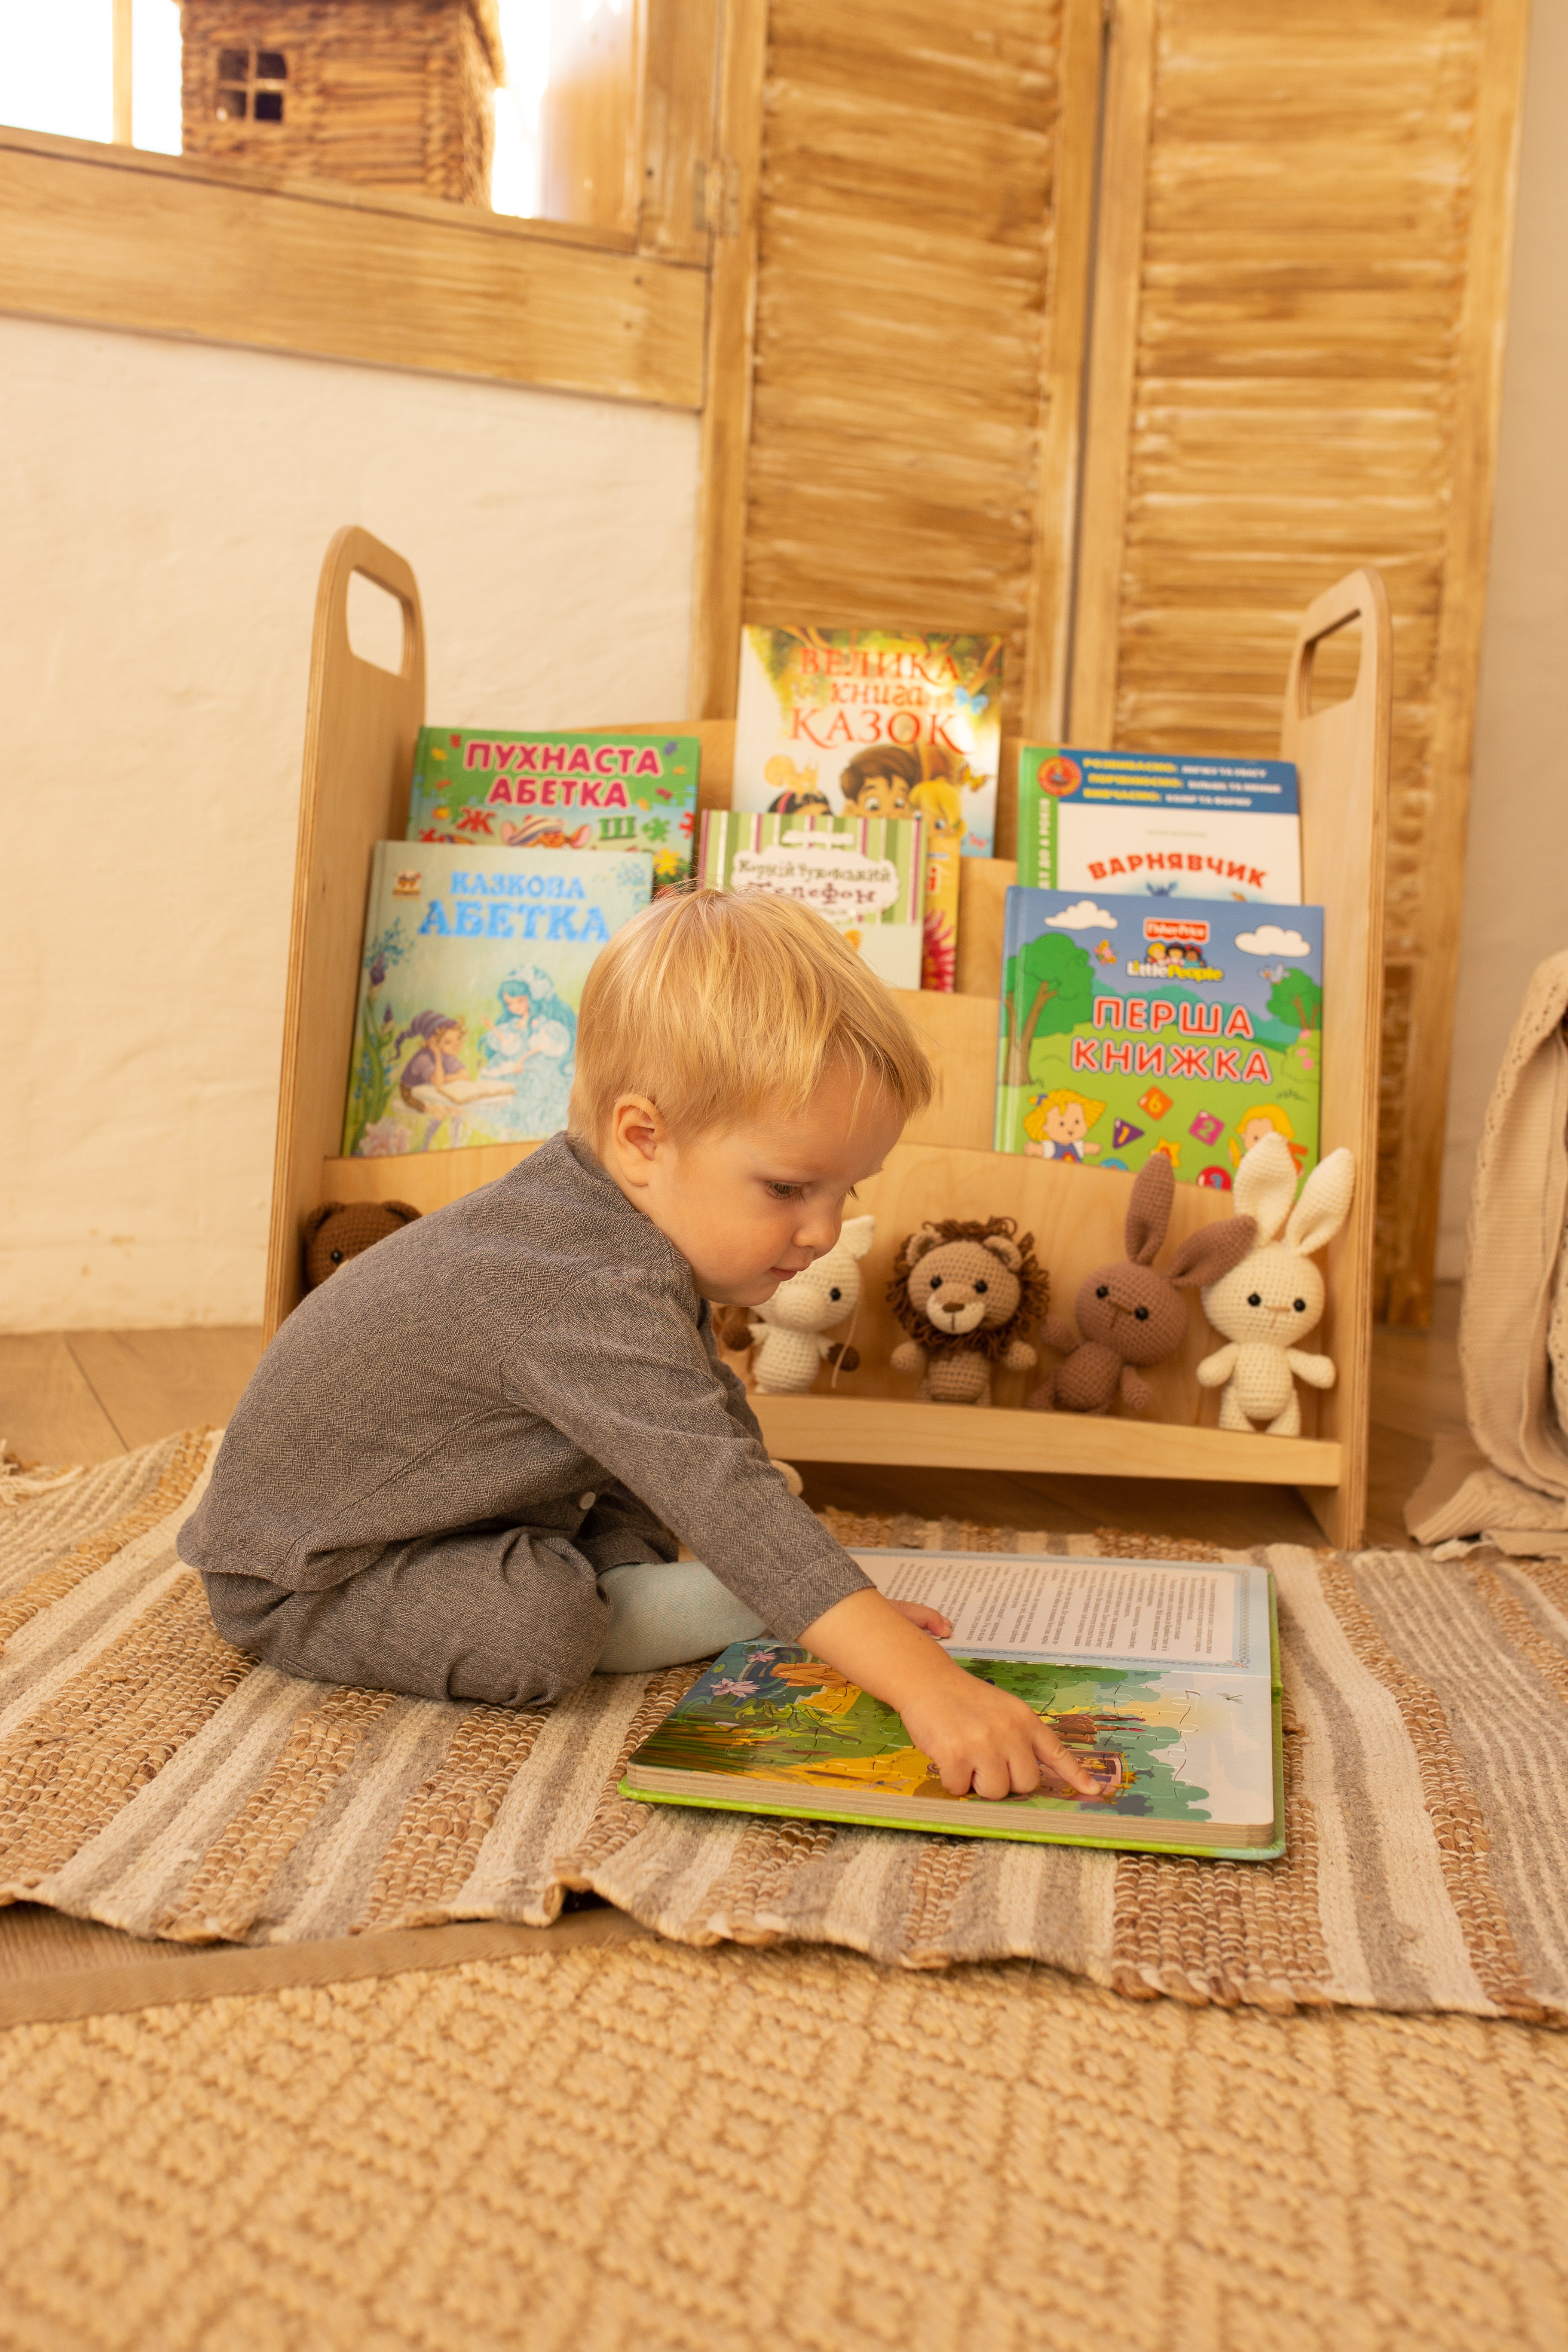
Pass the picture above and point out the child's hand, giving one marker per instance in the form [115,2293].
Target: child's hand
[984,1738]
[929,1621]
[978,1737]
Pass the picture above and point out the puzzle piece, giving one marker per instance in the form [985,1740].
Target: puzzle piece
[1207,1127]
[1215,1180]
[1124,1133]
[1155,1102]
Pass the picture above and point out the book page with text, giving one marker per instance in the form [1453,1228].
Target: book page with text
[1012,1604]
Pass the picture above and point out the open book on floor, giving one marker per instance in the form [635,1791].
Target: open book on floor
[1162,1675]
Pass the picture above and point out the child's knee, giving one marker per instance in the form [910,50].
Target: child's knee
[246,1611]
[664,1612]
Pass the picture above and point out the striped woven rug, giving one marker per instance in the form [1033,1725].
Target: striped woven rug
[154,1779]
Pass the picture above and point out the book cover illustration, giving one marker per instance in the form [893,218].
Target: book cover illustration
[773,1721]
[470,977]
[1159,1676]
[866,874]
[1128,1027]
[878,722]
[1134,820]
[597,790]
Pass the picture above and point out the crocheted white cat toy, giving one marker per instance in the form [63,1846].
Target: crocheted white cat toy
[1274,1298]
[789,1349]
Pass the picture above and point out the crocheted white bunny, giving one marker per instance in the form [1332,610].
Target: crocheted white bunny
[787,1332]
[1270,1302]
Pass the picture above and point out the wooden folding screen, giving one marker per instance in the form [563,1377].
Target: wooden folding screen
[913,313]
[1294,246]
[1296,368]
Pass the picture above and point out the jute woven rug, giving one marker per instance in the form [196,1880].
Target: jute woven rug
[649,2149]
[154,1779]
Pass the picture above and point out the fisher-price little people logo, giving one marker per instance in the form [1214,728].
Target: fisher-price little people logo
[1176,947]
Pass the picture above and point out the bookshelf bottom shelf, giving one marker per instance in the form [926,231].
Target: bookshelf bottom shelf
[890,1430]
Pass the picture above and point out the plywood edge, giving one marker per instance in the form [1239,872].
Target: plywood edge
[899,1431]
[360,726]
[426,1180]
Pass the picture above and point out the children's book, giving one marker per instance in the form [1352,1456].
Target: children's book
[878,722]
[1170,828]
[470,978]
[1131,1026]
[866,874]
[1162,1678]
[594,791]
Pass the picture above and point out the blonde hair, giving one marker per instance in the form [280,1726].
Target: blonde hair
[720,1006]
[1277,1119]
[1058,1099]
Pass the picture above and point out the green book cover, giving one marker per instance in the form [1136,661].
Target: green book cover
[597,790]
[470,976]
[1164,1680]
[1133,1025]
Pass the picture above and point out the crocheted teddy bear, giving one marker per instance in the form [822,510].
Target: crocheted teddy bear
[965,1292]
[341,1229]
[788,1348]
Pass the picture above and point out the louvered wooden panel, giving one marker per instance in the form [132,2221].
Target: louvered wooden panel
[1318,322]
[904,259]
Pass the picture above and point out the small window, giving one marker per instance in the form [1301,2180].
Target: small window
[247,81]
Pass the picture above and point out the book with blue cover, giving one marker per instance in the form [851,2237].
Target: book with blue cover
[1136,1025]
[1161,1676]
[1155,824]
[470,977]
[597,790]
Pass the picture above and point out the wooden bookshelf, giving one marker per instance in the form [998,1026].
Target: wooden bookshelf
[359,734]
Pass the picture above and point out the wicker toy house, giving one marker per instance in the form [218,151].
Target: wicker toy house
[384,93]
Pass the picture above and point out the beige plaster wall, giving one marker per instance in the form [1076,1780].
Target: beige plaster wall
[1515,893]
[163,511]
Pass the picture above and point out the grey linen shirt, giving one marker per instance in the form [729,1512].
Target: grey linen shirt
[535,1355]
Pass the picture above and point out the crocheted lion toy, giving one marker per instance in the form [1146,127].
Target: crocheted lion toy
[965,1292]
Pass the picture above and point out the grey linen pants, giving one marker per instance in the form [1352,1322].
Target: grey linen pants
[504,1615]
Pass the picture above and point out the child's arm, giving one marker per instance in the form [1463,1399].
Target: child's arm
[976,1736]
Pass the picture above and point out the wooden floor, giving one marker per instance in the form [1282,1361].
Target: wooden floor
[85,1396]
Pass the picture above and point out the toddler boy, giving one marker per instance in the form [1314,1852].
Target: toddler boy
[464,1463]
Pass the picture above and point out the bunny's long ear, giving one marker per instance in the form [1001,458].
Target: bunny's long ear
[857,1234]
[1266,1185]
[1149,1210]
[1212,1250]
[1324,1203]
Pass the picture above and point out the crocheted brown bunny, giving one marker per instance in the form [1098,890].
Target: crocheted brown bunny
[1129,1314]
